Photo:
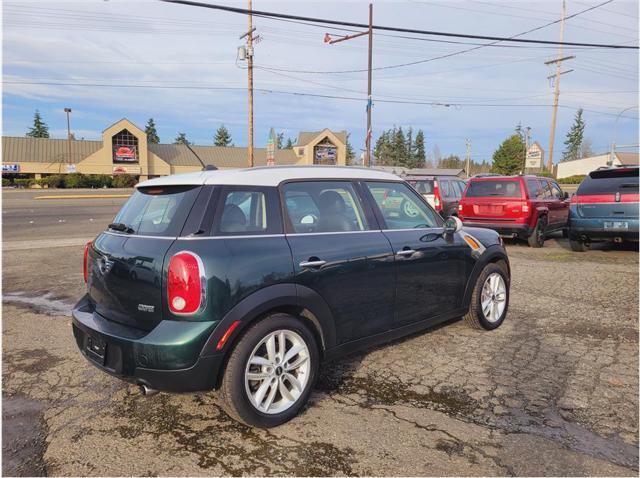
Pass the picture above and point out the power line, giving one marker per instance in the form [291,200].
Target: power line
[395,29]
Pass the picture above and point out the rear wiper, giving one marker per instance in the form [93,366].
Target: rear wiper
[118,226]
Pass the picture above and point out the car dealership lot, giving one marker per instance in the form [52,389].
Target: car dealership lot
[553,391]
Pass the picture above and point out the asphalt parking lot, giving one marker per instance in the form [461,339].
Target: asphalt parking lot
[554,391]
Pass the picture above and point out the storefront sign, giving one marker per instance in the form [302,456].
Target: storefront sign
[125,154]
[126,170]
[10,168]
[535,156]
[71,168]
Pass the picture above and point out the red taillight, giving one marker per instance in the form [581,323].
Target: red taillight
[574,199]
[525,206]
[437,204]
[185,283]
[85,262]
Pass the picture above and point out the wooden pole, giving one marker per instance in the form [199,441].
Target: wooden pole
[556,93]
[250,85]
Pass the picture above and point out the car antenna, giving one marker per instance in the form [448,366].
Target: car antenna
[208,167]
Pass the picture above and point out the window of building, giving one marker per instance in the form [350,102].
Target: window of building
[125,147]
[325,152]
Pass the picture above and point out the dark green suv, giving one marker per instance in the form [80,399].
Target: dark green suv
[246,280]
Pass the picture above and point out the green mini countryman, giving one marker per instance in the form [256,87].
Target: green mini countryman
[245,281]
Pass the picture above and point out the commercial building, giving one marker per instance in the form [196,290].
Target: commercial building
[124,149]
[584,166]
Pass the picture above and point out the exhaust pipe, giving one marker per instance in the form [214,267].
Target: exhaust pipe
[146,390]
[617,240]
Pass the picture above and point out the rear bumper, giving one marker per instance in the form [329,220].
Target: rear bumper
[504,229]
[169,358]
[593,229]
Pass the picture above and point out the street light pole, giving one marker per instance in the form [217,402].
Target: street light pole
[68,111]
[613,135]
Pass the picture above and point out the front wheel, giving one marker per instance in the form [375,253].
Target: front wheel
[490,299]
[271,372]
[578,246]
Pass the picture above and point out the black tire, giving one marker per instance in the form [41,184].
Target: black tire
[475,317]
[578,246]
[536,239]
[232,389]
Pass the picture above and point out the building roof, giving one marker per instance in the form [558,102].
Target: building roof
[219,156]
[269,175]
[628,158]
[305,137]
[46,150]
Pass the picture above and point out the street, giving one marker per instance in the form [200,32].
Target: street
[554,391]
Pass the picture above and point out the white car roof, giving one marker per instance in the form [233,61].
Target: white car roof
[269,176]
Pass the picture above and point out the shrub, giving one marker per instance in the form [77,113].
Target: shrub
[545,174]
[577,179]
[54,181]
[99,180]
[5,182]
[24,183]
[123,181]
[76,180]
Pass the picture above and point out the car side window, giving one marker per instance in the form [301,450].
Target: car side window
[445,188]
[461,187]
[555,190]
[546,187]
[535,191]
[247,211]
[400,206]
[323,206]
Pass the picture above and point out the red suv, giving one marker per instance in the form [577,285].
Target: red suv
[527,207]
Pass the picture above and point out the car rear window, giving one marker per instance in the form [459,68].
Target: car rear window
[422,186]
[610,181]
[500,188]
[158,211]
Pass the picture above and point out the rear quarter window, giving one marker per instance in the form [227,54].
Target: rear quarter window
[494,189]
[610,181]
[158,211]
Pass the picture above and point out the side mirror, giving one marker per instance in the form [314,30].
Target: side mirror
[565,195]
[452,225]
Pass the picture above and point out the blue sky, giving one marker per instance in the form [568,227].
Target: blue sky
[149,44]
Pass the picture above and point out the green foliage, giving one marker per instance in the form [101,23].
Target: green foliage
[53,181]
[545,173]
[222,137]
[181,139]
[451,162]
[577,179]
[393,148]
[39,128]
[76,180]
[289,144]
[573,143]
[279,140]
[5,182]
[351,155]
[151,132]
[123,181]
[24,183]
[509,157]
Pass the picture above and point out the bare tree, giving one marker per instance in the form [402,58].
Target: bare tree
[586,148]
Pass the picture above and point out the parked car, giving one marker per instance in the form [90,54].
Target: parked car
[526,207]
[605,208]
[443,193]
[261,274]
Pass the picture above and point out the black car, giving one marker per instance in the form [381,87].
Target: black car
[443,193]
[246,281]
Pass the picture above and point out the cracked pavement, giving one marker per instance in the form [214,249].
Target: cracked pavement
[554,391]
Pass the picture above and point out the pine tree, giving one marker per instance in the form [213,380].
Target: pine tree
[223,137]
[451,162]
[150,131]
[39,129]
[181,139]
[509,157]
[419,155]
[350,153]
[279,140]
[399,148]
[289,144]
[574,139]
[382,150]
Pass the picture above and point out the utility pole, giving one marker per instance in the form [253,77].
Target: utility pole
[468,168]
[556,93]
[250,83]
[527,143]
[369,32]
[68,111]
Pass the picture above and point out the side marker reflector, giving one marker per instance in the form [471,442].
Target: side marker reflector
[227,334]
[473,244]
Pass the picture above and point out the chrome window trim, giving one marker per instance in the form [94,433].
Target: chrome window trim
[329,233]
[413,229]
[245,236]
[170,238]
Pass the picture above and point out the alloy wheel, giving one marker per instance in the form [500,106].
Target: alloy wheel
[494,297]
[277,371]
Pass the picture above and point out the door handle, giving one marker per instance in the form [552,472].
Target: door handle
[312,264]
[405,252]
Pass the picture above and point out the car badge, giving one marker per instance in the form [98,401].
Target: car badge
[618,196]
[104,265]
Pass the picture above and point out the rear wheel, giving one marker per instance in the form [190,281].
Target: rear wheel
[271,372]
[490,299]
[536,239]
[578,246]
